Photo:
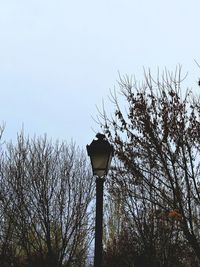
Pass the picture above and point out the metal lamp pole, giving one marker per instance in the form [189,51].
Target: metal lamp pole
[98,250]
[100,152]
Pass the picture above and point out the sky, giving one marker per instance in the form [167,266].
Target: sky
[60,58]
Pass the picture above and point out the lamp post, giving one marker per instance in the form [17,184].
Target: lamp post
[100,152]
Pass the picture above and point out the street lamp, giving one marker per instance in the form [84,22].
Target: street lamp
[100,152]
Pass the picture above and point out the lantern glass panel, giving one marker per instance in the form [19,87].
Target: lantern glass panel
[100,164]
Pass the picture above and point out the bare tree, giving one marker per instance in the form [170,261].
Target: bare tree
[46,191]
[157,141]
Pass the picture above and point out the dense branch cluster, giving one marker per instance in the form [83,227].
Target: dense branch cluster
[157,147]
[45,196]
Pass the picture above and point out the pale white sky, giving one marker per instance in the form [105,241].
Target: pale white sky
[58,58]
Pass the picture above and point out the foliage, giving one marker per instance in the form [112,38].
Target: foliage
[157,147]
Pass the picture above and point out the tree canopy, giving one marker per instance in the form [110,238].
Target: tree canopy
[157,147]
[45,204]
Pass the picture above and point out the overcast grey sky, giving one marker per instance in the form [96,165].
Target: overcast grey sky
[58,58]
